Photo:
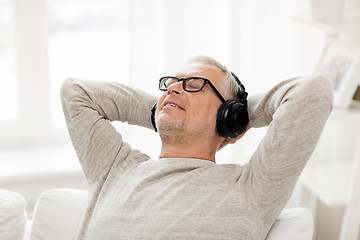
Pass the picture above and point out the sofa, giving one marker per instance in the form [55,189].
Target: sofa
[58,212]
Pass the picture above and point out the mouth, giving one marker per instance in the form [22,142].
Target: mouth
[173,105]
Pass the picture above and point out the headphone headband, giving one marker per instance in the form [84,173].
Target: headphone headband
[242,94]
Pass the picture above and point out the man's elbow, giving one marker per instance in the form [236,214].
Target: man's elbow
[323,92]
[66,89]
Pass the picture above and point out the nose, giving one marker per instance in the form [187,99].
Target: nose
[175,87]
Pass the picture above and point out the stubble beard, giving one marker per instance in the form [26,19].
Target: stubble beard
[172,132]
[176,132]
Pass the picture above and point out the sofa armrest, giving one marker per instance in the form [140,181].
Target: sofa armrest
[12,215]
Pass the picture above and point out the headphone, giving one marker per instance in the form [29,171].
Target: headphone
[232,117]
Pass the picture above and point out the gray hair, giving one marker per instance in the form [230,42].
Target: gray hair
[231,87]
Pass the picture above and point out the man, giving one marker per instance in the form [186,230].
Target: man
[185,194]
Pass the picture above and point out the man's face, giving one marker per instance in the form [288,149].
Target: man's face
[190,115]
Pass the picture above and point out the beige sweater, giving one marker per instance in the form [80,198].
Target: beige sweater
[134,197]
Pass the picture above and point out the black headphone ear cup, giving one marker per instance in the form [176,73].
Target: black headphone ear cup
[232,119]
[153,110]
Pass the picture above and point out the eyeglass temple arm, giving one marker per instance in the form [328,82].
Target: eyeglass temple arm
[216,91]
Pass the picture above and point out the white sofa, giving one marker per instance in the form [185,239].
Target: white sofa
[58,213]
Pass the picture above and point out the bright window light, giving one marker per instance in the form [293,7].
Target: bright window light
[9,104]
[87,39]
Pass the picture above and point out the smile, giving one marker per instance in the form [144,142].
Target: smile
[173,105]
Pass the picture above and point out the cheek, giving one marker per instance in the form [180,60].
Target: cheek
[213,115]
[207,116]
[212,109]
[205,124]
[160,100]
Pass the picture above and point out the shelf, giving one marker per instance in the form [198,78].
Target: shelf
[332,27]
[353,113]
[331,183]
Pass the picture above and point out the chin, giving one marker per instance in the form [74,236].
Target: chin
[169,121]
[170,125]
[171,132]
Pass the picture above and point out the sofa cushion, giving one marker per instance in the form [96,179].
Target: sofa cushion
[58,214]
[12,215]
[294,224]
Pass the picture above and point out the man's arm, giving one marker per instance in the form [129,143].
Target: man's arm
[295,111]
[89,106]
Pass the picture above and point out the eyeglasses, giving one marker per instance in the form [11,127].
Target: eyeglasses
[191,84]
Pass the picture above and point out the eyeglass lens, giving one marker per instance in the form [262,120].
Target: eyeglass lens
[190,84]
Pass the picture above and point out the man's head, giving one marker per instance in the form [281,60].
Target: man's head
[229,86]
[185,118]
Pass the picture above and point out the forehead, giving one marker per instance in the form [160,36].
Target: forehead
[204,70]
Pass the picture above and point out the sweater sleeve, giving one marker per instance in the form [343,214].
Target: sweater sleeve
[89,106]
[295,112]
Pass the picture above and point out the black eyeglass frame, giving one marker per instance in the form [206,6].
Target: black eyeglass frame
[205,81]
